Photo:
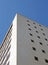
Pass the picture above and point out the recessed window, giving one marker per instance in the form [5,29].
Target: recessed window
[27,20]
[35,27]
[34,23]
[32,40]
[34,48]
[30,34]
[41,43]
[37,32]
[43,34]
[46,39]
[46,60]
[43,51]
[36,58]
[38,37]
[28,24]
[41,29]
[40,25]
[29,29]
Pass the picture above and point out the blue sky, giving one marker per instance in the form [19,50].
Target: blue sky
[34,9]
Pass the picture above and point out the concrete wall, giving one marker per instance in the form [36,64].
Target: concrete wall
[32,42]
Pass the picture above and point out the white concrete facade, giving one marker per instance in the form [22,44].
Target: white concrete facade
[29,43]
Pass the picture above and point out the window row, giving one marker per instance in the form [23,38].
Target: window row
[37,59]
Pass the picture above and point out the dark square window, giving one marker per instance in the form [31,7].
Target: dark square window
[36,58]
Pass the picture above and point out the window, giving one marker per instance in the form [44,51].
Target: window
[43,51]
[38,37]
[46,60]
[27,20]
[40,25]
[32,40]
[41,29]
[36,58]
[37,32]
[29,29]
[35,27]
[41,43]
[28,24]
[30,34]
[34,23]
[44,34]
[46,39]
[34,48]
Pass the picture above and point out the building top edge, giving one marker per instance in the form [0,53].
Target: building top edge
[11,24]
[18,14]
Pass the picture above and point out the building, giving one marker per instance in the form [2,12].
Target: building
[25,43]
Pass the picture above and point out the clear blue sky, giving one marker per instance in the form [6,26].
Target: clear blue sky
[34,9]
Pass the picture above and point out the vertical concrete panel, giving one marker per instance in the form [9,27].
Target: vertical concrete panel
[13,50]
